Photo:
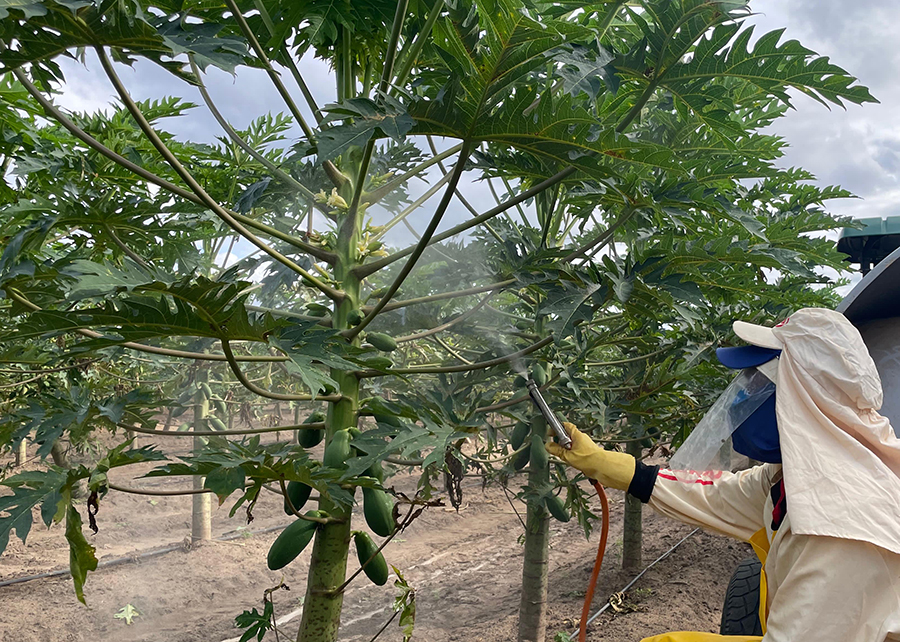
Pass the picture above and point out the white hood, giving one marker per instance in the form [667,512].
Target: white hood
[841,458]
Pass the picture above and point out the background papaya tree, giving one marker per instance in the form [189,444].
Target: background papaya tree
[611,116]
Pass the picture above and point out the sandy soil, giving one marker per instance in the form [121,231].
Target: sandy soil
[466,568]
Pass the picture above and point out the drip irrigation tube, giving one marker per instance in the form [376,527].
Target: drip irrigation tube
[634,581]
[138,556]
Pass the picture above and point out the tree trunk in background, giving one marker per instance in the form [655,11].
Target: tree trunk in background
[21,453]
[632,538]
[201,514]
[169,417]
[533,605]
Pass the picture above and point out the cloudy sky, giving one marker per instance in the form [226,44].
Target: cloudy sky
[857,148]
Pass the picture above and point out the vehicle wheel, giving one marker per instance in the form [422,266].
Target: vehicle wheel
[740,613]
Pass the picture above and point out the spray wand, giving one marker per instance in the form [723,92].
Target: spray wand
[566,442]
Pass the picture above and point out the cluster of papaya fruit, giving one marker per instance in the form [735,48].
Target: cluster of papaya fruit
[378,507]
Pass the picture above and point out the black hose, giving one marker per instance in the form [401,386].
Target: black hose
[138,556]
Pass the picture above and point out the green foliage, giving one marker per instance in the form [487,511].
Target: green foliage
[669,217]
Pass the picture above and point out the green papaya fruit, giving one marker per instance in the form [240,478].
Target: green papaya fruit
[390,420]
[519,433]
[557,507]
[216,424]
[299,494]
[382,341]
[184,427]
[376,471]
[377,569]
[539,374]
[646,442]
[338,450]
[221,407]
[291,542]
[205,389]
[378,509]
[309,437]
[539,457]
[355,317]
[379,363]
[521,460]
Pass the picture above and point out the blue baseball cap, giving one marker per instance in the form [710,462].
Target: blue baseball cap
[745,356]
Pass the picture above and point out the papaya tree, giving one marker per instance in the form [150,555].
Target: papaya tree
[611,116]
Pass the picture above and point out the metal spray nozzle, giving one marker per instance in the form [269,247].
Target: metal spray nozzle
[564,440]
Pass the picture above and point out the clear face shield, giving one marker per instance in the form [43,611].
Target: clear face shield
[748,401]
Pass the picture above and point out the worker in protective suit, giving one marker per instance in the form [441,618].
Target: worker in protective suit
[822,512]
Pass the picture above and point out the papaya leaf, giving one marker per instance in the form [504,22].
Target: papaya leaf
[82,558]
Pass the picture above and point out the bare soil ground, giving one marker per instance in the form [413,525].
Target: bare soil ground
[466,568]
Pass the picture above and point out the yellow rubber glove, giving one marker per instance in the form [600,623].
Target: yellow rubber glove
[611,468]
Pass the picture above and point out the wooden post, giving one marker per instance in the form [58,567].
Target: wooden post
[201,513]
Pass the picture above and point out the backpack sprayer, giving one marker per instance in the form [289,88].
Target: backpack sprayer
[565,441]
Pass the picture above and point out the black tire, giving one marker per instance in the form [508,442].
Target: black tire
[740,613]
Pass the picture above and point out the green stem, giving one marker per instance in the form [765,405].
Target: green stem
[480,365]
[444,295]
[333,173]
[604,237]
[280,174]
[449,324]
[249,385]
[421,38]
[186,176]
[378,194]
[396,30]
[412,208]
[422,244]
[374,266]
[127,250]
[54,113]
[181,354]
[462,198]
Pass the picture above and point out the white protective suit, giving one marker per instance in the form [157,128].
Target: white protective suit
[832,566]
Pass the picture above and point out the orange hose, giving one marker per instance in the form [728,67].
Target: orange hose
[601,549]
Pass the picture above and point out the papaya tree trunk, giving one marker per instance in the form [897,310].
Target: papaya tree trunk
[328,567]
[632,537]
[21,453]
[533,604]
[201,513]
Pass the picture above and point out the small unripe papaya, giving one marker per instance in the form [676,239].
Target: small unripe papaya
[557,507]
[377,569]
[216,424]
[539,374]
[355,317]
[539,457]
[382,341]
[299,494]
[378,509]
[338,450]
[291,542]
[519,433]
